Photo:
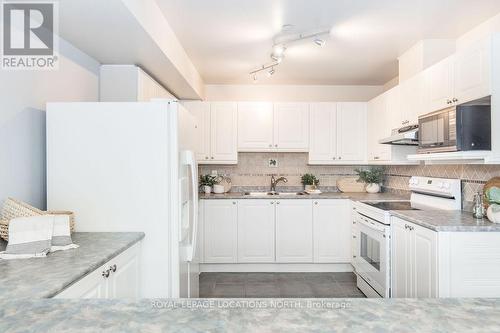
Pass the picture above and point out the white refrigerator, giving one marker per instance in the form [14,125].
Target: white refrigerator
[130,167]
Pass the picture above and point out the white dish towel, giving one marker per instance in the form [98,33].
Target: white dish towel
[29,237]
[34,237]
[61,235]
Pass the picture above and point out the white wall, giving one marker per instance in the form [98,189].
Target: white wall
[23,95]
[291,93]
[481,31]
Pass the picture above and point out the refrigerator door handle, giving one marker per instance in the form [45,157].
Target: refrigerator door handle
[191,162]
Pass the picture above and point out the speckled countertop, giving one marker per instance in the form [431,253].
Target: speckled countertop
[451,221]
[234,315]
[325,195]
[46,277]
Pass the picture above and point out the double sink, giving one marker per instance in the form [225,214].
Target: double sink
[273,194]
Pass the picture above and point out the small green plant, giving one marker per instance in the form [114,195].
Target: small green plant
[370,176]
[208,180]
[309,179]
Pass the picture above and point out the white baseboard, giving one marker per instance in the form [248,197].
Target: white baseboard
[279,268]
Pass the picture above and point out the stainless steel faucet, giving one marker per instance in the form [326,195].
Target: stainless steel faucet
[275,181]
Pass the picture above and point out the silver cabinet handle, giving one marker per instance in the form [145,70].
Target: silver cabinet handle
[353,236]
[277,202]
[334,158]
[206,157]
[234,202]
[376,157]
[212,157]
[270,146]
[112,268]
[455,100]
[276,146]
[105,273]
[354,256]
[315,202]
[272,202]
[406,226]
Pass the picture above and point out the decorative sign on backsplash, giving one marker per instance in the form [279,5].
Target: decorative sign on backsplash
[273,163]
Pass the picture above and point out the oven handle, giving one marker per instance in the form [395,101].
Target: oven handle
[371,224]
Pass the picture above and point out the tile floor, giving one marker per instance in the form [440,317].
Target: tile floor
[265,285]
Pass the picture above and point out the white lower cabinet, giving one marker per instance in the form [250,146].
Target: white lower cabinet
[118,278]
[332,231]
[414,260]
[256,231]
[294,234]
[276,231]
[220,229]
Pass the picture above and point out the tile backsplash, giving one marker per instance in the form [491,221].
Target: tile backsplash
[253,171]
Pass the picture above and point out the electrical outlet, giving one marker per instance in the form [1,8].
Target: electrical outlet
[273,163]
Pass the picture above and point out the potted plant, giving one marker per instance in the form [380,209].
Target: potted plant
[309,181]
[493,197]
[372,177]
[206,183]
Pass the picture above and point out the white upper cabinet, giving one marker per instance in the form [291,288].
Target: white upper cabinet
[255,126]
[291,126]
[223,136]
[256,231]
[393,112]
[377,129]
[461,78]
[351,132]
[337,133]
[323,133]
[473,72]
[332,231]
[439,81]
[128,83]
[215,135]
[412,99]
[201,136]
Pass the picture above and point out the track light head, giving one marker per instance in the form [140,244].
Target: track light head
[320,42]
[271,72]
[255,79]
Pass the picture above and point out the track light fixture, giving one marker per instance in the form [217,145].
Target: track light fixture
[281,41]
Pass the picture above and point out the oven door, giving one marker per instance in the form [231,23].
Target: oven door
[437,132]
[372,257]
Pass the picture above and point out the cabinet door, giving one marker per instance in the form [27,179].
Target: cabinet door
[377,114]
[93,285]
[255,126]
[332,231]
[220,228]
[400,259]
[201,114]
[351,132]
[473,72]
[223,129]
[424,262]
[323,133]
[393,116]
[294,231]
[124,277]
[256,231]
[439,81]
[412,99]
[291,126]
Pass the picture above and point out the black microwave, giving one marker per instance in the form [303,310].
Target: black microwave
[459,128]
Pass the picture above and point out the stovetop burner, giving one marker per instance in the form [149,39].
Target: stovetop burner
[391,205]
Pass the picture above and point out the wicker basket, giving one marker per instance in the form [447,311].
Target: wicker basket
[13,208]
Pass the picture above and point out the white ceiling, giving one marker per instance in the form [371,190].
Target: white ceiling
[226,39]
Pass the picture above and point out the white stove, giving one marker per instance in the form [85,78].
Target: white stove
[371,228]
